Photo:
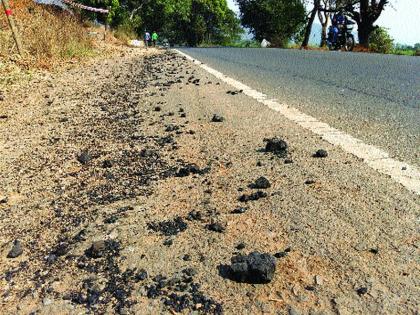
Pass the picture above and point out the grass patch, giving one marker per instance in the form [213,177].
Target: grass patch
[125,33]
[76,49]
[404,52]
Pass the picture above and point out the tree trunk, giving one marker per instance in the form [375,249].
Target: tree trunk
[364,30]
[310,22]
[324,35]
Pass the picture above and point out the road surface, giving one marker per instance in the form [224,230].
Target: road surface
[375,98]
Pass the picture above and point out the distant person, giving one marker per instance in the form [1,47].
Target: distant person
[154,38]
[146,39]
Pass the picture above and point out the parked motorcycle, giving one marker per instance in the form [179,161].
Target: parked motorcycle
[344,39]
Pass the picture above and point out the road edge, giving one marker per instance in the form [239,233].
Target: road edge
[401,172]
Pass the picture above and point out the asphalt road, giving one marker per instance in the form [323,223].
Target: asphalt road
[375,98]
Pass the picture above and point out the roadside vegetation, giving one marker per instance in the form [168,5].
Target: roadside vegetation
[188,22]
[48,35]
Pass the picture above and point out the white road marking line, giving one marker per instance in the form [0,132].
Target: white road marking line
[379,160]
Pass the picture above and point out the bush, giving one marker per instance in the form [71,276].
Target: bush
[380,41]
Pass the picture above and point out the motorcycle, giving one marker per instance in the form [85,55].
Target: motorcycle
[344,39]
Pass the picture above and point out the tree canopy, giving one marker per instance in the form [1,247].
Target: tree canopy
[181,21]
[275,20]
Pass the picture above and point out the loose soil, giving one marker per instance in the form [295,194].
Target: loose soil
[127,196]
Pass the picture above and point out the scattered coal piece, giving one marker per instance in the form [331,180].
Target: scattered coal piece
[239,210]
[374,251]
[310,182]
[280,254]
[189,169]
[141,275]
[288,161]
[61,249]
[194,215]
[190,272]
[96,250]
[216,227]
[4,116]
[217,118]
[170,128]
[260,183]
[157,109]
[321,153]
[186,257]
[255,268]
[276,146]
[252,197]
[240,246]
[84,157]
[169,227]
[107,164]
[125,209]
[310,288]
[168,242]
[183,115]
[16,250]
[3,199]
[101,248]
[362,291]
[111,219]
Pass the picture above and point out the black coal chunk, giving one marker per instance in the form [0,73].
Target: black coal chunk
[217,118]
[362,291]
[61,249]
[321,153]
[84,157]
[103,248]
[170,227]
[277,146]
[240,246]
[260,183]
[253,268]
[239,210]
[107,164]
[252,197]
[194,215]
[189,169]
[16,250]
[141,275]
[170,128]
[216,227]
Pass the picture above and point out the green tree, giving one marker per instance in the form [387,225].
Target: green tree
[191,21]
[114,15]
[275,20]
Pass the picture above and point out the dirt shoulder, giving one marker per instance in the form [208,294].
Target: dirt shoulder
[126,196]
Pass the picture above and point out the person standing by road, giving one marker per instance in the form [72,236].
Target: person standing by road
[146,39]
[154,38]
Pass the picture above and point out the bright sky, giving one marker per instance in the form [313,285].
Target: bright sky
[402,19]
